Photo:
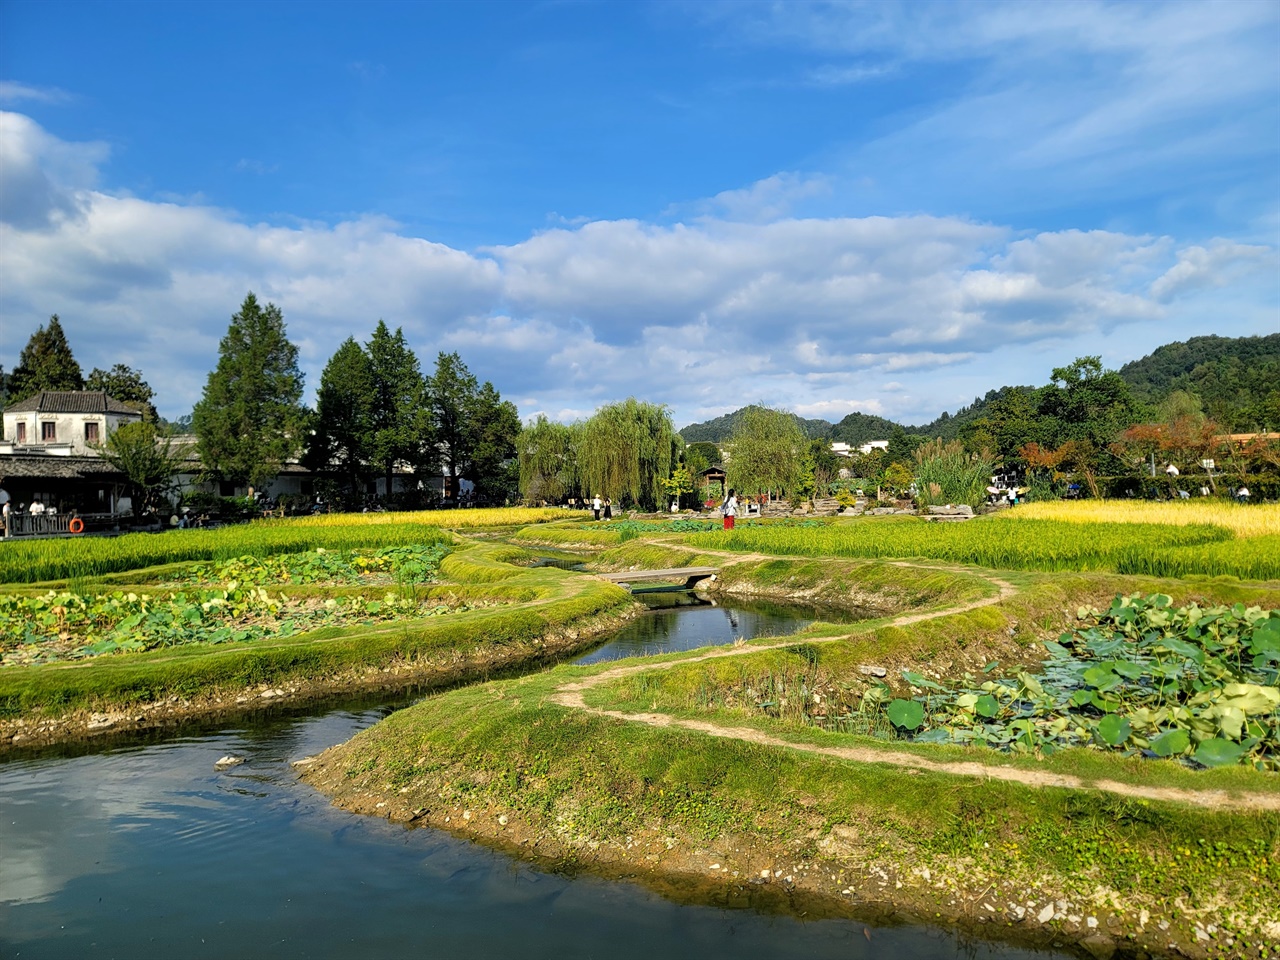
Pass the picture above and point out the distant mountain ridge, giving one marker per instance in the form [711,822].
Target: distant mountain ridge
[721,428]
[1235,378]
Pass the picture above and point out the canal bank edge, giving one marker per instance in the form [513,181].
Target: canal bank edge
[522,784]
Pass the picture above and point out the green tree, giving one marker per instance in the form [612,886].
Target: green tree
[492,428]
[148,460]
[1087,402]
[626,451]
[249,420]
[46,363]
[401,426]
[766,451]
[679,483]
[452,390]
[343,424]
[902,446]
[548,463]
[125,384]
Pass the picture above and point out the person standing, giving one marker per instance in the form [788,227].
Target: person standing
[595,505]
[5,511]
[730,509]
[608,509]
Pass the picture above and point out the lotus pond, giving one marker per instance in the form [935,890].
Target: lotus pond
[1194,683]
[222,602]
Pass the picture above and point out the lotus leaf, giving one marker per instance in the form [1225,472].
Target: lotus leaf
[1219,753]
[987,706]
[1114,729]
[908,714]
[1171,742]
[1251,698]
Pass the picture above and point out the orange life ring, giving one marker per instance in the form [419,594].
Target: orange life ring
[76,525]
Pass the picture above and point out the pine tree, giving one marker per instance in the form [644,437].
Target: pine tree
[401,432]
[46,363]
[343,436]
[492,427]
[250,419]
[452,390]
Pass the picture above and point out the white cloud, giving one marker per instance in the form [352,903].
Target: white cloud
[40,174]
[12,92]
[804,313]
[765,200]
[835,410]
[1212,266]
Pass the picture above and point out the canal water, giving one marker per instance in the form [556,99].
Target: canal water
[678,620]
[140,848]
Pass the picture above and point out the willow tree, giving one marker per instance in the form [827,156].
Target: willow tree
[765,452]
[548,465]
[626,451]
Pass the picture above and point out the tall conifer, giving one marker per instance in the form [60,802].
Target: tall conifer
[401,431]
[343,437]
[250,419]
[46,363]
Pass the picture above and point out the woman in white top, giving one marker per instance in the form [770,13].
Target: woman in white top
[730,510]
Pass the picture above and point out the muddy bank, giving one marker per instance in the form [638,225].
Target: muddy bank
[442,670]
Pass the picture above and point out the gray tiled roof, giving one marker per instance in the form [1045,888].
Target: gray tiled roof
[65,468]
[71,401]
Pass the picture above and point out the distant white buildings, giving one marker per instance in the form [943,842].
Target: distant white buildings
[842,449]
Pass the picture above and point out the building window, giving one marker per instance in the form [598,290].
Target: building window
[22,431]
[90,433]
[48,432]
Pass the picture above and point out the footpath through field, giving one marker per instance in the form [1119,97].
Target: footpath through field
[571,694]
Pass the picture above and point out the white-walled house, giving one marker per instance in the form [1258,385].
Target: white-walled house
[47,450]
[65,423]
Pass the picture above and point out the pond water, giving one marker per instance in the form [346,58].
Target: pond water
[139,848]
[678,621]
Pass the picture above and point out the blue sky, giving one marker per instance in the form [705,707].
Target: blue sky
[828,207]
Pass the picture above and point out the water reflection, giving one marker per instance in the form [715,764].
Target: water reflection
[681,621]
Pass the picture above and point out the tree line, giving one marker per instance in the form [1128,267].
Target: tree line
[376,412]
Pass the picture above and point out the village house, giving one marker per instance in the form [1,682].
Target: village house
[48,455]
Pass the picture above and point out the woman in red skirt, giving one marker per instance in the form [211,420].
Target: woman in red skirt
[730,509]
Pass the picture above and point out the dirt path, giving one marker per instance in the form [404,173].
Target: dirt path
[571,694]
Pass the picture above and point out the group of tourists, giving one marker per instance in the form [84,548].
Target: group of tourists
[605,505]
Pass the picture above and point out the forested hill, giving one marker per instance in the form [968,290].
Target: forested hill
[858,428]
[1237,379]
[1234,378]
[721,428]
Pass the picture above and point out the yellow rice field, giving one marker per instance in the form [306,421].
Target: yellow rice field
[449,519]
[1253,520]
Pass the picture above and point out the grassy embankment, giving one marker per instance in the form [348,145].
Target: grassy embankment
[508,615]
[1117,862]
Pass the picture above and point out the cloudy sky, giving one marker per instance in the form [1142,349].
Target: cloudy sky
[824,206]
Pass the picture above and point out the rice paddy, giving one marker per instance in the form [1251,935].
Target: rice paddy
[36,561]
[1015,543]
[1253,520]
